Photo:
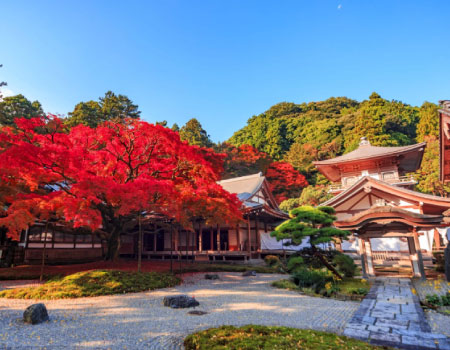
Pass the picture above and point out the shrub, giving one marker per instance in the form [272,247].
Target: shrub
[314,279]
[433,300]
[345,265]
[440,261]
[294,263]
[272,260]
[313,261]
[359,291]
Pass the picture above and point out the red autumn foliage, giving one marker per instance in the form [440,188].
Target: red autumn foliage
[102,178]
[243,160]
[285,182]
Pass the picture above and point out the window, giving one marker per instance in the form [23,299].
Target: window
[388,175]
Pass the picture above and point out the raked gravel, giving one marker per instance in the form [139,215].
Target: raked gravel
[140,321]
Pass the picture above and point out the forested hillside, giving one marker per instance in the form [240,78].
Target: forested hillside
[302,133]
[284,141]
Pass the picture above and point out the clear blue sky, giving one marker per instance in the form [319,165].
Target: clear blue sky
[224,61]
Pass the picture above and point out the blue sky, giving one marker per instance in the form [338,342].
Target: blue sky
[224,61]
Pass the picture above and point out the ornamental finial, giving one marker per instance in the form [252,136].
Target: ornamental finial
[364,141]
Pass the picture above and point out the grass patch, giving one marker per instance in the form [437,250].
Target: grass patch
[94,283]
[253,337]
[224,268]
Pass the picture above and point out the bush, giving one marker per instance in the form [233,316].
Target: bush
[437,300]
[440,261]
[359,291]
[314,279]
[294,263]
[345,265]
[272,260]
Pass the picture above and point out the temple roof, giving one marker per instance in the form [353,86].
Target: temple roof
[445,104]
[367,151]
[244,186]
[389,214]
[408,158]
[368,183]
[247,188]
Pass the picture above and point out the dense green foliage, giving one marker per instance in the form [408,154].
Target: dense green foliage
[109,107]
[18,106]
[345,265]
[252,337]
[194,134]
[307,132]
[94,283]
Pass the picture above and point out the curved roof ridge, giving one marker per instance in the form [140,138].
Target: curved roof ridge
[369,151]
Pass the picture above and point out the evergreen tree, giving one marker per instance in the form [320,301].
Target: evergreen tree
[315,223]
[110,107]
[428,121]
[194,134]
[18,106]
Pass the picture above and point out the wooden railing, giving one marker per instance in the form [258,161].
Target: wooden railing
[337,187]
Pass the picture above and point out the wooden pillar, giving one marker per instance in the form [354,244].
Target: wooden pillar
[154,240]
[177,239]
[258,237]
[211,238]
[249,247]
[413,257]
[362,254]
[218,238]
[238,237]
[370,269]
[419,254]
[200,238]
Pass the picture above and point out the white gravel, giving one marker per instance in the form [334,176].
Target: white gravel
[140,321]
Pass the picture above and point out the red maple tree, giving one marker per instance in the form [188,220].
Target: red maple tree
[285,182]
[103,178]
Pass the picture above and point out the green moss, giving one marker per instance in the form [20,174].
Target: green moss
[94,283]
[253,337]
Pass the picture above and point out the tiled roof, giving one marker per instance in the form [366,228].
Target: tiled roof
[245,186]
[365,151]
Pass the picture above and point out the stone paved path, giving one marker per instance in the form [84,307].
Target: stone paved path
[391,315]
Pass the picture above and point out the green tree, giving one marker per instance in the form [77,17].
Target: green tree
[86,113]
[194,134]
[18,106]
[314,223]
[109,107]
[428,174]
[175,127]
[311,195]
[428,121]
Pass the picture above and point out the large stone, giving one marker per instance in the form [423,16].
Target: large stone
[36,313]
[180,301]
[249,273]
[211,277]
[447,262]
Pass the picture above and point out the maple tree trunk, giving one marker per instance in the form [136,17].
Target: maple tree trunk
[113,245]
[325,262]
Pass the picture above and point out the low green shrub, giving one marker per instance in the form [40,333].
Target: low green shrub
[359,291]
[285,284]
[272,260]
[314,279]
[345,265]
[294,263]
[436,300]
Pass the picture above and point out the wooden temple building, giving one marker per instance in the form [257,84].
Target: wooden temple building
[250,239]
[374,200]
[163,239]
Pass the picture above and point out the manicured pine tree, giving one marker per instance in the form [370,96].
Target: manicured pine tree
[315,223]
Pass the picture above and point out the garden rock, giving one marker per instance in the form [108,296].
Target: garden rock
[211,277]
[36,313]
[447,262]
[249,273]
[180,301]
[197,312]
